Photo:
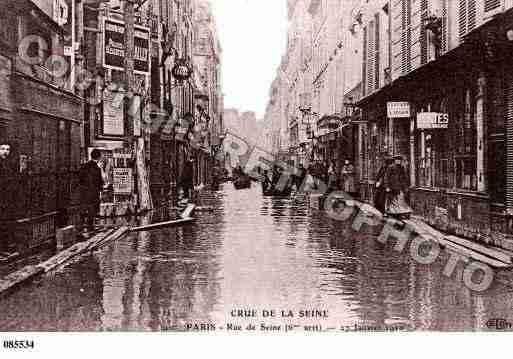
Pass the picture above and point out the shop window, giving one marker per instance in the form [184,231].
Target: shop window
[447,158]
[8,29]
[466,137]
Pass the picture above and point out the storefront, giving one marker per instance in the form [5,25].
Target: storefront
[41,119]
[454,140]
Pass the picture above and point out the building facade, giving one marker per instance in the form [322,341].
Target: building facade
[317,69]
[64,92]
[427,80]
[435,81]
[40,118]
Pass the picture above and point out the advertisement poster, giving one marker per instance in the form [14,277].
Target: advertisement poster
[114,46]
[113,114]
[123,180]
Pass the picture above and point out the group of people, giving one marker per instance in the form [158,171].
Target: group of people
[318,175]
[392,188]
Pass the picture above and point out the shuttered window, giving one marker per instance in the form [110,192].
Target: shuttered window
[462,18]
[508,90]
[467,17]
[491,5]
[472,15]
[364,62]
[376,57]
[424,55]
[445,28]
[406,43]
[371,49]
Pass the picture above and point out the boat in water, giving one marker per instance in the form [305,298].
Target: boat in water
[242,182]
[269,190]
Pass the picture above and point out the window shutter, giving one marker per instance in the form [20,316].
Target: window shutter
[471,15]
[508,89]
[376,58]
[491,5]
[364,62]
[423,32]
[462,18]
[408,35]
[445,28]
[371,56]
[404,44]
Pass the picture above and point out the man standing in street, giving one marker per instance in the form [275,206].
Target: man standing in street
[91,184]
[7,198]
[188,178]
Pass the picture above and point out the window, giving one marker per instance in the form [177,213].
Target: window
[447,158]
[496,174]
[465,140]
[8,30]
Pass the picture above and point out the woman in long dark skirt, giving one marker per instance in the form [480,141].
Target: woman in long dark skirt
[396,184]
[380,194]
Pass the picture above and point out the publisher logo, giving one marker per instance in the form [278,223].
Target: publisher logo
[498,324]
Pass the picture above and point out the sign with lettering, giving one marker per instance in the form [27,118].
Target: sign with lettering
[114,46]
[398,109]
[432,120]
[123,180]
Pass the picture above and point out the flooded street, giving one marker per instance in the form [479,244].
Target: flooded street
[248,257]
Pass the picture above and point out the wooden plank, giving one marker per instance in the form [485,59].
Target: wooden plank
[188,211]
[64,256]
[474,255]
[19,276]
[490,252]
[175,223]
[423,228]
[108,237]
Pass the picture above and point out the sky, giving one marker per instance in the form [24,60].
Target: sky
[253,38]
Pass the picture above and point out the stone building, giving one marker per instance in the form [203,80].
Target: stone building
[437,90]
[315,73]
[41,118]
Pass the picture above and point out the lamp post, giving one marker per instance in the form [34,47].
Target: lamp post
[310,134]
[181,72]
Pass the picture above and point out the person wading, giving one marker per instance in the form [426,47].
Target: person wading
[91,184]
[348,178]
[332,177]
[380,191]
[396,184]
[188,178]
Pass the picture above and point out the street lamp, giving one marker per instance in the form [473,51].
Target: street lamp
[310,134]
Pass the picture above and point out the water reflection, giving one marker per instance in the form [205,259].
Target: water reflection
[251,252]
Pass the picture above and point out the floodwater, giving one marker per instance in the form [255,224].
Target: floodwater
[274,263]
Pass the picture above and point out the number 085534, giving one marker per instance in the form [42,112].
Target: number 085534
[18,344]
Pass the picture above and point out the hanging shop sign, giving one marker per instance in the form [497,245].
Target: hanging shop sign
[114,46]
[181,71]
[113,119]
[332,122]
[123,181]
[398,109]
[432,120]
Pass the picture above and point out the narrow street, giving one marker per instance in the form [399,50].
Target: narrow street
[250,253]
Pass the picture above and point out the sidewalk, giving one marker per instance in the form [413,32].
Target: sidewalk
[26,267]
[44,264]
[366,214]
